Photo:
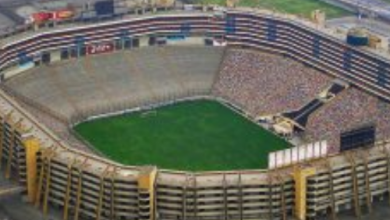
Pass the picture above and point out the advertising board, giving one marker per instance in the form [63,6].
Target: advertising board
[100,48]
[297,154]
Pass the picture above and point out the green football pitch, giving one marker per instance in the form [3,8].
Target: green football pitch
[298,7]
[193,136]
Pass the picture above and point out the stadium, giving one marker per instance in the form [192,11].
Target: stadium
[232,114]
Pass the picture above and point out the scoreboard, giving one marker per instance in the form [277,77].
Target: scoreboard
[357,138]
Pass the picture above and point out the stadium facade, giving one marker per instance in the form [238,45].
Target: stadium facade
[84,186]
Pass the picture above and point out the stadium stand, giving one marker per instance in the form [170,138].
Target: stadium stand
[265,84]
[257,82]
[352,108]
[91,187]
[241,70]
[121,80]
[302,115]
[56,124]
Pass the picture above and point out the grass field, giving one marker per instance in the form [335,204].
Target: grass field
[298,7]
[194,136]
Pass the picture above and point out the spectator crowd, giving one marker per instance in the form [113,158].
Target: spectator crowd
[266,84]
[352,109]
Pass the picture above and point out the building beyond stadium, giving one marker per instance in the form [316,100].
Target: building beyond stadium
[81,185]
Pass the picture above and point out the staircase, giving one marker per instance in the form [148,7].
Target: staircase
[301,116]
